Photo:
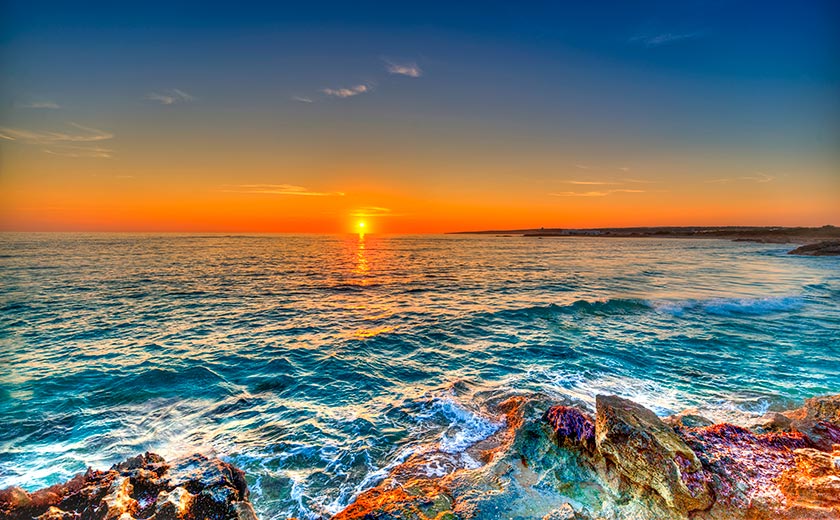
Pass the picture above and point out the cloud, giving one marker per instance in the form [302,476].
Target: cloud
[80,151]
[41,105]
[656,40]
[758,177]
[170,97]
[278,189]
[301,99]
[592,193]
[593,183]
[88,135]
[372,211]
[404,69]
[65,144]
[347,92]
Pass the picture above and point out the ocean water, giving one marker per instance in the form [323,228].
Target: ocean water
[317,363]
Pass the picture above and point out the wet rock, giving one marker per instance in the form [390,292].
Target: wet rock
[825,248]
[142,487]
[572,427]
[649,453]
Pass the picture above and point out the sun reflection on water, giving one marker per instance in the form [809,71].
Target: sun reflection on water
[362,267]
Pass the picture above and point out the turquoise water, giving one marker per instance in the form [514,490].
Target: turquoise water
[317,362]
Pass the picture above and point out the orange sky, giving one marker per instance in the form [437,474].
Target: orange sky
[417,120]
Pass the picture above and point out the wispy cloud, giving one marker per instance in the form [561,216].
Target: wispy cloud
[411,70]
[79,143]
[656,40]
[302,99]
[95,152]
[372,211]
[170,97]
[40,105]
[87,135]
[592,193]
[593,183]
[758,177]
[347,92]
[278,189]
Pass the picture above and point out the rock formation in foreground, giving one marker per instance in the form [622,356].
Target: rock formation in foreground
[548,460]
[624,462]
[143,487]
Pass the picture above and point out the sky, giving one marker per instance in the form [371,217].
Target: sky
[418,117]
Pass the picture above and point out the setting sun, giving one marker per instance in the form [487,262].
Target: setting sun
[361,225]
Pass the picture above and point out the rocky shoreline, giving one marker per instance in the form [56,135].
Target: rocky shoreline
[550,460]
[145,486]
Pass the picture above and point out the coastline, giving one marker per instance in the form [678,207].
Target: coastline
[549,459]
[760,234]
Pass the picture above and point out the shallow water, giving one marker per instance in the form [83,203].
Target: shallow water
[316,363]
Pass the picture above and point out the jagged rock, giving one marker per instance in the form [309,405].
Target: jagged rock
[649,453]
[142,487]
[571,426]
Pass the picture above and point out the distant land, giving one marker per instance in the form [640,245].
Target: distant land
[822,240]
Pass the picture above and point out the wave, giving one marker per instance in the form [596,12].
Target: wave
[463,427]
[723,306]
[731,306]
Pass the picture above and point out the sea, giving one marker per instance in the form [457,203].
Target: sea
[318,362]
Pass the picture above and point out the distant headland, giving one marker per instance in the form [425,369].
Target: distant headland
[819,241]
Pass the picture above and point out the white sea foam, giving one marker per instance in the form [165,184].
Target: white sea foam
[465,427]
[730,306]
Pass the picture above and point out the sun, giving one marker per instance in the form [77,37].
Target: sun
[361,225]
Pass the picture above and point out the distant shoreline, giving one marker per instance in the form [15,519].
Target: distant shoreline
[768,234]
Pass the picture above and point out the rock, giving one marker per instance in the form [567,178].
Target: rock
[142,487]
[744,467]
[770,422]
[566,512]
[171,505]
[825,248]
[54,513]
[688,418]
[825,408]
[815,480]
[649,453]
[823,435]
[572,427]
[119,501]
